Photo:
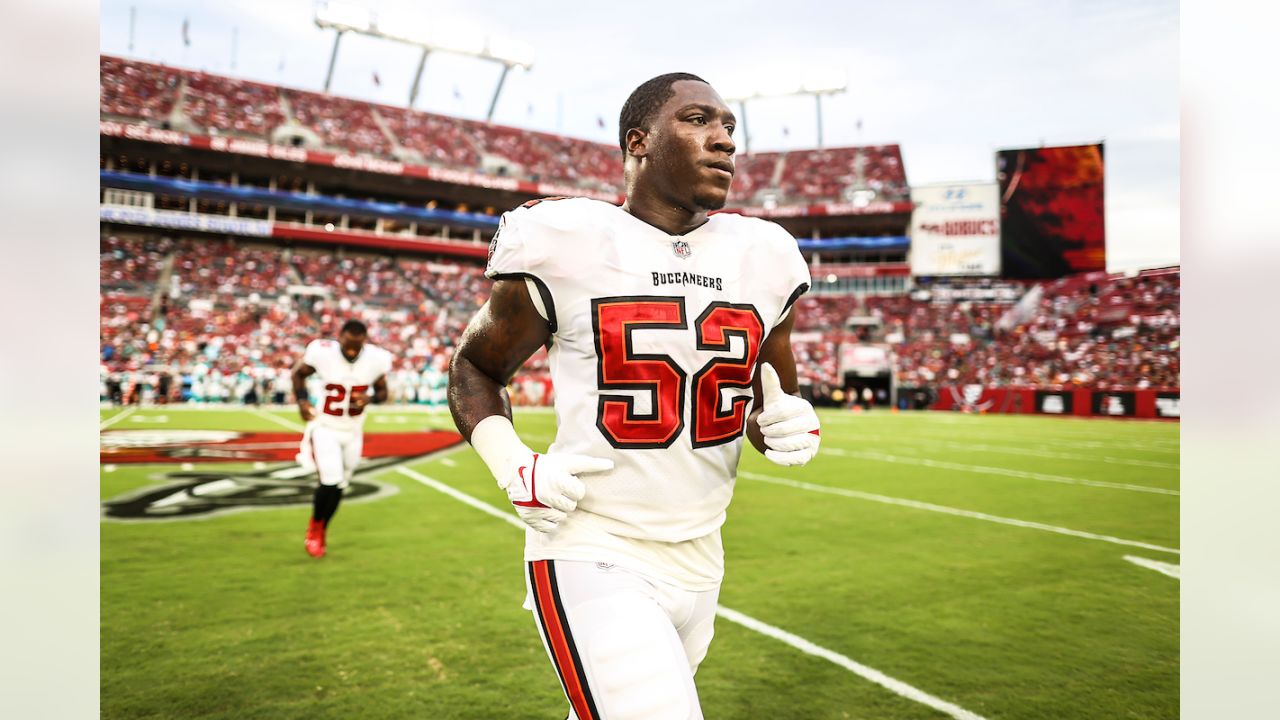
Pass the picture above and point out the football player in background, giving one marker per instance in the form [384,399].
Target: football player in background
[334,435]
[669,340]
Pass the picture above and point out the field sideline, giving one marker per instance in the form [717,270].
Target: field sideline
[924,565]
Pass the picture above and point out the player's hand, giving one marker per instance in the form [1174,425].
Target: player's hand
[307,411]
[359,400]
[544,488]
[789,425]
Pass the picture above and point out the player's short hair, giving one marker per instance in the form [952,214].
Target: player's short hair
[354,327]
[645,101]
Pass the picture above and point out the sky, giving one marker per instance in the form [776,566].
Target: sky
[949,82]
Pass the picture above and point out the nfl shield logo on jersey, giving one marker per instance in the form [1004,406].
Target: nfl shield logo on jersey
[681,249]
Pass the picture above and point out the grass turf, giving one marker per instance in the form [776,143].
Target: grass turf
[416,610]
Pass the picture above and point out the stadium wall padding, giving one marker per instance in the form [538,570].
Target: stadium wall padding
[1146,403]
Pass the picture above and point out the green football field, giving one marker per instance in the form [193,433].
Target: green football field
[925,565]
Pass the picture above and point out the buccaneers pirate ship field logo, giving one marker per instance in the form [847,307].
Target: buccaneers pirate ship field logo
[275,480]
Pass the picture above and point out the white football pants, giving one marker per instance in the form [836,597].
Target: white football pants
[624,646]
[333,454]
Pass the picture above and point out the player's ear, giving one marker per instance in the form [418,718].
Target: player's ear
[637,143]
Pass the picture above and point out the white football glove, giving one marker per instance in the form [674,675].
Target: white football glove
[543,487]
[789,425]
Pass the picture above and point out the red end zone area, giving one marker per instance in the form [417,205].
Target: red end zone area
[168,446]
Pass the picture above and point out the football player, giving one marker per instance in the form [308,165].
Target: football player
[669,341]
[334,435]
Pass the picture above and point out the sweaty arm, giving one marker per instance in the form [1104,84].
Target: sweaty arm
[301,372]
[782,425]
[544,488]
[502,335]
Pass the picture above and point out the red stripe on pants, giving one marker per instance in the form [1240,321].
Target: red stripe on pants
[559,644]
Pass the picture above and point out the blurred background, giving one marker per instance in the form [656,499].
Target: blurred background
[987,195]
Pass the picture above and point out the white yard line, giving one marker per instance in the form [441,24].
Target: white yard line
[464,498]
[117,418]
[867,673]
[276,419]
[952,511]
[1173,571]
[985,470]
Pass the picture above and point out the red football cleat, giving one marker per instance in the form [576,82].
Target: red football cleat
[315,539]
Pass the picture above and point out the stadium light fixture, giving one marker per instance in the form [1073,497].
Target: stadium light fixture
[817,83]
[512,52]
[345,17]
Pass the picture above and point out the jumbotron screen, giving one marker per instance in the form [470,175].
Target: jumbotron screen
[1051,211]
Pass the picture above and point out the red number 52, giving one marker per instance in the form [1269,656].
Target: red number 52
[619,367]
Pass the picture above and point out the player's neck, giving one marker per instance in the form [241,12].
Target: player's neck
[663,215]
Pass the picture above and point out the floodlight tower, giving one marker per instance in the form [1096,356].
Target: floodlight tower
[345,18]
[817,85]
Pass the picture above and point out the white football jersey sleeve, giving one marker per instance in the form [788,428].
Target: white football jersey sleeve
[655,340]
[340,377]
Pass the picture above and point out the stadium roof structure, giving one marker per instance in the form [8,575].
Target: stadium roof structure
[345,18]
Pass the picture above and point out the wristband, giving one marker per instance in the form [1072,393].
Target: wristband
[495,440]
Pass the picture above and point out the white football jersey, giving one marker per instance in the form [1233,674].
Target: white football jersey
[655,340]
[339,377]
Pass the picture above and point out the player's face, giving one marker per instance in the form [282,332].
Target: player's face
[691,146]
[351,344]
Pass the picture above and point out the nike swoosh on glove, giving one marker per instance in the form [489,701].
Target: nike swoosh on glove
[544,488]
[789,424]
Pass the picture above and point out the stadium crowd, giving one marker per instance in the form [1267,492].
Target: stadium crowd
[1092,331]
[224,322]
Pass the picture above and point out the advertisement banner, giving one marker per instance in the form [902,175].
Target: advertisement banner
[1051,211]
[1115,403]
[178,220]
[1050,402]
[1147,403]
[955,229]
[1168,405]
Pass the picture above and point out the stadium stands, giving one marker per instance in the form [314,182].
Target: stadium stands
[225,309]
[1089,331]
[344,125]
[439,139]
[220,105]
[137,90]
[828,173]
[225,105]
[232,315]
[131,264]
[222,271]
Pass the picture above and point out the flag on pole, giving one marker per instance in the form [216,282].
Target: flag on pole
[186,32]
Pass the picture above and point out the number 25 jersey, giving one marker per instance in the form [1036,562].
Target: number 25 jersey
[340,377]
[655,339]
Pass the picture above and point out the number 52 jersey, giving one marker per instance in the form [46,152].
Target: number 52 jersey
[655,339]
